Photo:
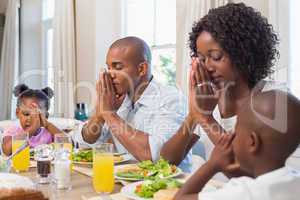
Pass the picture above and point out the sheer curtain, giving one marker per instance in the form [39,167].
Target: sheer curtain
[294,81]
[64,62]
[9,67]
[279,18]
[189,12]
[284,17]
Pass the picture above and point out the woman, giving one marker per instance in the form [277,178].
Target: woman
[233,48]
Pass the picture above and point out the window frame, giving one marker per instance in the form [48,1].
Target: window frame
[155,46]
[47,25]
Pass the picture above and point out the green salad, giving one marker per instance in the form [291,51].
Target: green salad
[161,168]
[83,156]
[149,187]
[132,175]
[31,153]
[149,170]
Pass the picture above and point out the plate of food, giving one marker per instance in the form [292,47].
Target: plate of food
[158,189]
[85,157]
[152,189]
[147,170]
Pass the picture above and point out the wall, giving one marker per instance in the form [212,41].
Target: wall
[108,28]
[85,42]
[261,5]
[3,5]
[98,24]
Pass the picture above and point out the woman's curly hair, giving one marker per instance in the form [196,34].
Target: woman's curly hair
[245,35]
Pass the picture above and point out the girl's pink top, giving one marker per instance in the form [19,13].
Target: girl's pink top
[41,137]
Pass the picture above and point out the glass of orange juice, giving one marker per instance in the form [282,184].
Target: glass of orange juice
[103,168]
[21,160]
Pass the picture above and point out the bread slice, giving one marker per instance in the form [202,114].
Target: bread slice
[167,194]
[21,194]
[129,168]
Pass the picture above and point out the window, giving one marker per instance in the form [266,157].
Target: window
[294,71]
[47,40]
[47,44]
[155,22]
[36,43]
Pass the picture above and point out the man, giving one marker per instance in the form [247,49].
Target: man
[132,108]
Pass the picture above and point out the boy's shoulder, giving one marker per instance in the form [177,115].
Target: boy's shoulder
[234,189]
[283,182]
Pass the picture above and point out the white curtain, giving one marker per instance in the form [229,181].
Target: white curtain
[279,18]
[294,34]
[189,12]
[64,61]
[9,67]
[284,17]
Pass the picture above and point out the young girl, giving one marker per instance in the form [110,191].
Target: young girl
[32,112]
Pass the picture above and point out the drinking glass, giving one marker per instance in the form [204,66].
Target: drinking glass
[21,160]
[63,141]
[62,170]
[103,168]
[43,154]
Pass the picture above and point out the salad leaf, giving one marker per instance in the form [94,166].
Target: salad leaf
[130,175]
[83,156]
[150,171]
[147,164]
[148,188]
[161,168]
[31,154]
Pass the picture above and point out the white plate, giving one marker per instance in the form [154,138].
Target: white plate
[118,168]
[126,158]
[11,181]
[119,153]
[128,190]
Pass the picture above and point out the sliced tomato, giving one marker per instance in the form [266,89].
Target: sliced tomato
[138,188]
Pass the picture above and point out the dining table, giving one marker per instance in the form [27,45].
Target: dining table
[82,186]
